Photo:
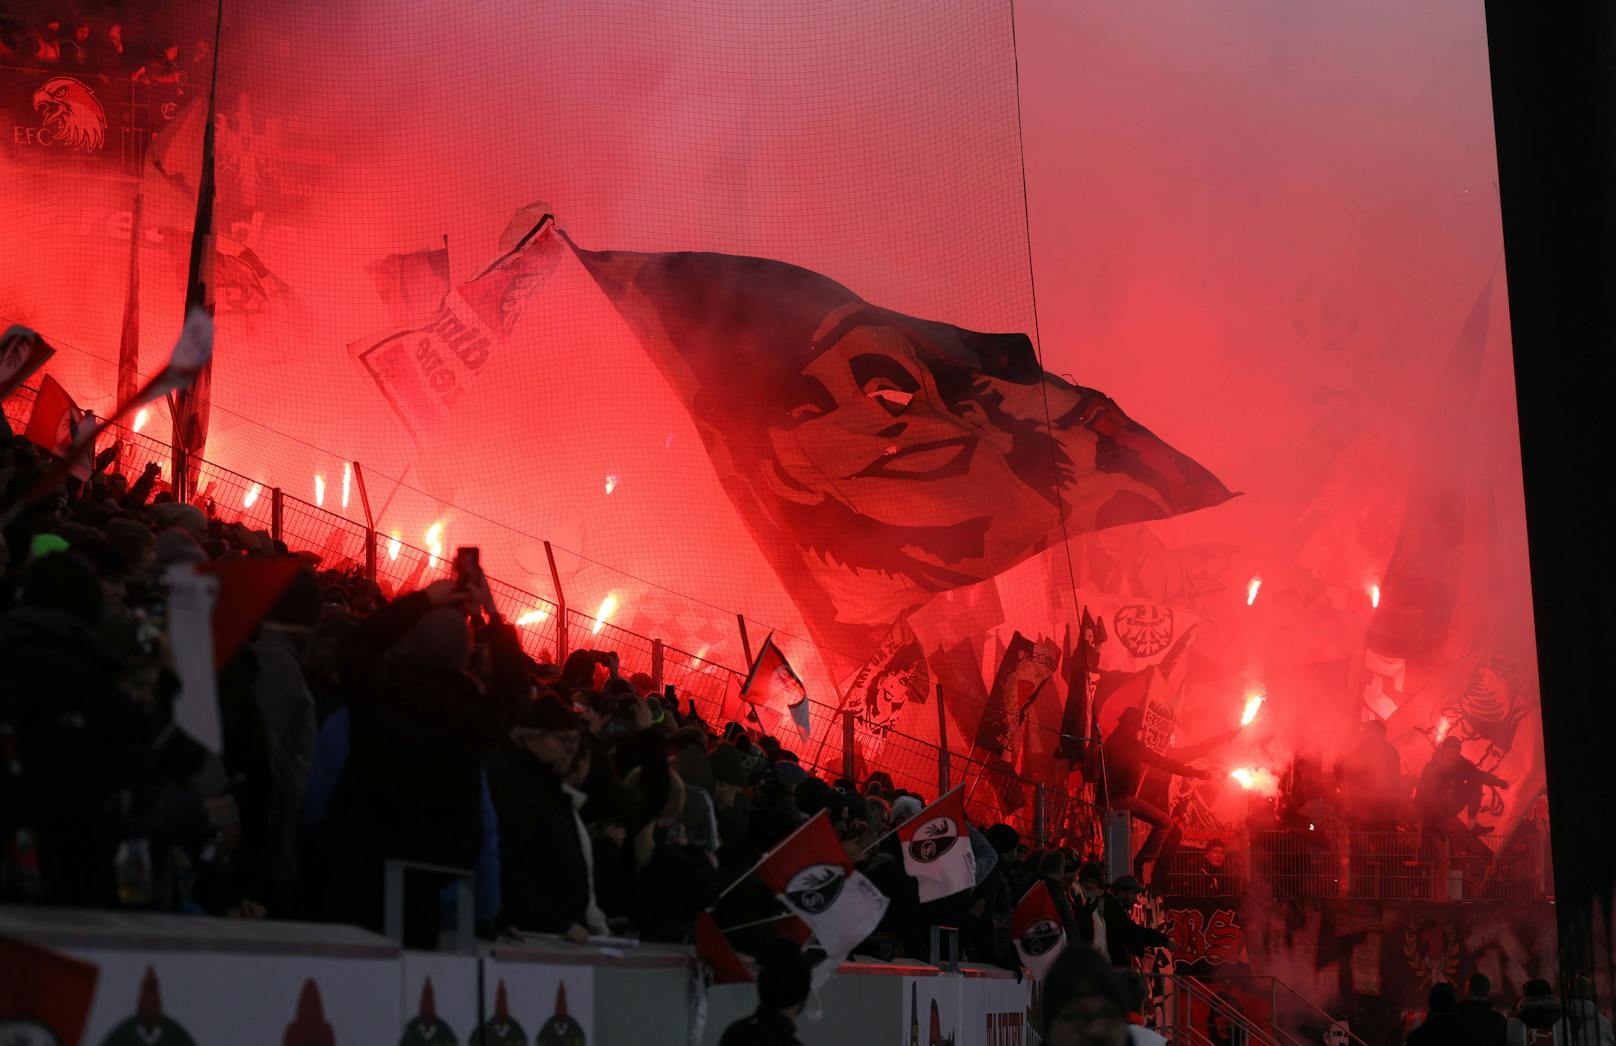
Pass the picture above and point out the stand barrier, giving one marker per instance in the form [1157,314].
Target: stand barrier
[246,983]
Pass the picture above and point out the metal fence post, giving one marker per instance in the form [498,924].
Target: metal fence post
[561,607]
[277,507]
[1040,829]
[370,554]
[847,745]
[942,745]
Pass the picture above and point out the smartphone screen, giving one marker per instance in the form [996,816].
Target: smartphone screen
[467,566]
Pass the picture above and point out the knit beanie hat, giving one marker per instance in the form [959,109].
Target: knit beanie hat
[727,767]
[62,581]
[905,807]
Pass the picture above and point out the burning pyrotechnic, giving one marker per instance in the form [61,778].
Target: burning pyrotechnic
[434,542]
[611,484]
[1251,590]
[347,481]
[1442,727]
[1256,779]
[140,418]
[1254,703]
[1374,595]
[319,490]
[533,617]
[251,496]
[608,607]
[393,546]
[695,660]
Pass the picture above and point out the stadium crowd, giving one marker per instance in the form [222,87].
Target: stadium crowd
[357,728]
[106,42]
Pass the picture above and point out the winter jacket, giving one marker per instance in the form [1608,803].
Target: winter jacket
[412,786]
[1488,1023]
[544,878]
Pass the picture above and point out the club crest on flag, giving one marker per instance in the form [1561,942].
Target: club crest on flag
[815,888]
[934,839]
[1144,629]
[932,848]
[1041,937]
[1036,931]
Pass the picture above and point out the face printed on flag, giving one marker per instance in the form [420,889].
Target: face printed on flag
[880,689]
[1025,668]
[1036,930]
[22,352]
[774,684]
[810,872]
[877,457]
[937,849]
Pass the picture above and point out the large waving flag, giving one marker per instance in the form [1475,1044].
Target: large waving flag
[773,683]
[937,848]
[811,873]
[1036,931]
[879,458]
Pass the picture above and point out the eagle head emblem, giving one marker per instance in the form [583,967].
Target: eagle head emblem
[69,111]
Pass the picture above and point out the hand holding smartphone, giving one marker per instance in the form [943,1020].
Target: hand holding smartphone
[470,579]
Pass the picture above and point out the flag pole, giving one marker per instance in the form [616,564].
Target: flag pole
[189,406]
[756,922]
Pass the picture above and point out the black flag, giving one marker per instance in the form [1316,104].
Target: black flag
[188,407]
[1082,674]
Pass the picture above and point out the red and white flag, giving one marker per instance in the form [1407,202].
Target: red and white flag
[937,848]
[714,949]
[773,683]
[59,426]
[45,996]
[50,425]
[811,873]
[192,353]
[1037,931]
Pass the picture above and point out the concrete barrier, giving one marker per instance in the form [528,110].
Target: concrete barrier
[231,982]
